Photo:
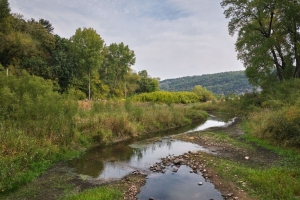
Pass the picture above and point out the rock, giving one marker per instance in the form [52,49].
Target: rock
[177,161]
[200,183]
[175,169]
[247,157]
[230,194]
[151,198]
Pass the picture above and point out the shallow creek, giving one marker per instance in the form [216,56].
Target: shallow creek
[110,163]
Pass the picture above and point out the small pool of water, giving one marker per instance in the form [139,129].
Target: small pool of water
[178,186]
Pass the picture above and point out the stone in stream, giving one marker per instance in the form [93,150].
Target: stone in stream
[175,169]
[200,183]
[178,161]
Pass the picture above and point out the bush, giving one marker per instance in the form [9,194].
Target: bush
[168,97]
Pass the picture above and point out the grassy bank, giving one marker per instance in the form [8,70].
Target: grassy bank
[269,172]
[279,181]
[40,126]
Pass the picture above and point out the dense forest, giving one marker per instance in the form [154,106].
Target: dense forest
[82,64]
[220,83]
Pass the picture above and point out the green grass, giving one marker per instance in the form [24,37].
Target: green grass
[103,193]
[280,181]
[267,184]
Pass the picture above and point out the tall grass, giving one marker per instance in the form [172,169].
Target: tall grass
[108,120]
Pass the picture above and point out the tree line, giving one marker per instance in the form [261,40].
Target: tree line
[82,64]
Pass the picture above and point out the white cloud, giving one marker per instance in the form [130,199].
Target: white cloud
[171,38]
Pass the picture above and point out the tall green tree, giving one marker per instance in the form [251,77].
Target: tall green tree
[268,37]
[87,46]
[64,68]
[117,63]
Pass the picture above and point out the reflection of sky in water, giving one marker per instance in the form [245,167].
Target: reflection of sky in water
[210,123]
[117,161]
[178,186]
[147,155]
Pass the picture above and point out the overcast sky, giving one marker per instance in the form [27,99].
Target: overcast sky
[170,38]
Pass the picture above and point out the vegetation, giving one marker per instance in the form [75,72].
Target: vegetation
[82,64]
[199,94]
[268,38]
[220,83]
[42,76]
[280,181]
[39,126]
[98,193]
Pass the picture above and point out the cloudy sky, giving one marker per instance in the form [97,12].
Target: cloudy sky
[170,38]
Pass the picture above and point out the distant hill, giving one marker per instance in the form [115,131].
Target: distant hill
[220,83]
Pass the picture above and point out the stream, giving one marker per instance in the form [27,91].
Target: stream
[113,163]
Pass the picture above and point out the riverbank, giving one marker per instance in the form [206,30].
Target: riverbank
[239,166]
[104,123]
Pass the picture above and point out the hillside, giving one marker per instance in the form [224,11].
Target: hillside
[220,83]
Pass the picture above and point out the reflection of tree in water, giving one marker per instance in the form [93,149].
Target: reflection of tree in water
[139,153]
[92,162]
[169,144]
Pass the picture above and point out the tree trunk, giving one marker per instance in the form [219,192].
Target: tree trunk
[278,68]
[296,52]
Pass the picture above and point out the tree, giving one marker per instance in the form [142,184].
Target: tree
[118,59]
[147,84]
[64,67]
[26,45]
[4,10]
[86,46]
[268,37]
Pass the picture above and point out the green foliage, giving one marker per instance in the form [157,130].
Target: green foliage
[268,38]
[86,46]
[4,9]
[220,83]
[103,193]
[273,114]
[118,59]
[168,97]
[204,94]
[146,83]
[37,127]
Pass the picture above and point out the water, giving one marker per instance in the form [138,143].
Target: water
[115,162]
[178,186]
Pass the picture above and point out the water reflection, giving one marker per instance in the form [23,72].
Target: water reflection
[178,186]
[119,160]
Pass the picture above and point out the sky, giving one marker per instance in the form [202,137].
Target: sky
[170,38]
